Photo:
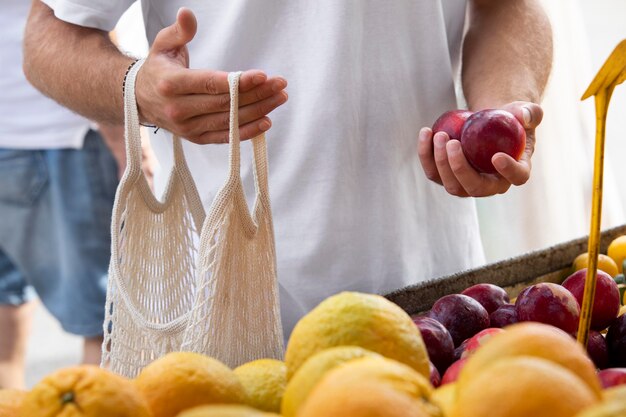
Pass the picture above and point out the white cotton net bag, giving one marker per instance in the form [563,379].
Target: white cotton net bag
[164,294]
[236,315]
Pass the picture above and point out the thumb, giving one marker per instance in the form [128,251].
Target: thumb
[177,35]
[529,114]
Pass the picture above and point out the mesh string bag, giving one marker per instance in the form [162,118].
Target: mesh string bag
[236,315]
[159,282]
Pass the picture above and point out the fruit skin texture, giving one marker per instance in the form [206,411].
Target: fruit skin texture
[451,122]
[453,371]
[84,391]
[617,251]
[503,316]
[612,377]
[225,411]
[438,342]
[480,339]
[371,387]
[605,263]
[313,370]
[489,296]
[606,301]
[369,321]
[488,132]
[550,304]
[616,341]
[524,386]
[10,402]
[537,340]
[597,349]
[461,315]
[182,380]
[444,398]
[264,381]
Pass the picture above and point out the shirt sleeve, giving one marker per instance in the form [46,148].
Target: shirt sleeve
[97,14]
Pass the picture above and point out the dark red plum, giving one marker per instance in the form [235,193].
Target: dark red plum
[451,122]
[480,339]
[489,296]
[550,304]
[437,340]
[435,376]
[488,132]
[616,341]
[597,349]
[606,301]
[503,316]
[461,315]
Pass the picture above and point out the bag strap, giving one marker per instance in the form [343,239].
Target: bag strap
[260,166]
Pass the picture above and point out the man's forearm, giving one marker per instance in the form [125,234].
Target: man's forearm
[507,53]
[76,66]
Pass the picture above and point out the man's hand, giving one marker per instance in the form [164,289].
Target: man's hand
[194,104]
[443,161]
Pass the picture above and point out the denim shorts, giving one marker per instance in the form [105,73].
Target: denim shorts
[55,237]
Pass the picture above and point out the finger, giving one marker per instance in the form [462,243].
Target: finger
[473,182]
[449,180]
[201,81]
[247,131]
[529,114]
[425,153]
[191,105]
[515,172]
[177,35]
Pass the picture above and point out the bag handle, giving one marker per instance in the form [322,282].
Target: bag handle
[260,165]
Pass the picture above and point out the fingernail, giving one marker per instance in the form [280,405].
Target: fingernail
[280,84]
[454,147]
[264,125]
[258,79]
[439,141]
[499,163]
[527,115]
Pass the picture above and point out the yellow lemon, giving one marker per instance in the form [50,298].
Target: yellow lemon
[182,380]
[605,263]
[264,381]
[445,397]
[617,251]
[312,371]
[372,387]
[524,386]
[369,321]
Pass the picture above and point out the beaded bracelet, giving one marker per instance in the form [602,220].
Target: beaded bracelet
[132,64]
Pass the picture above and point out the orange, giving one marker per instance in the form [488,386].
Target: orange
[371,387]
[264,381]
[524,386]
[350,318]
[182,380]
[617,251]
[225,411]
[532,339]
[605,263]
[312,371]
[10,401]
[84,391]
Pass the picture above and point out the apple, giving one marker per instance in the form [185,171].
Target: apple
[435,376]
[597,349]
[451,122]
[606,302]
[480,339]
[550,304]
[452,373]
[461,315]
[616,341]
[488,132]
[438,341]
[611,377]
[488,295]
[503,316]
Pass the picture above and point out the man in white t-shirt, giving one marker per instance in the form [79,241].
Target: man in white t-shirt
[352,208]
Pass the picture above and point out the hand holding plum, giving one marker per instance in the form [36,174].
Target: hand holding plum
[484,165]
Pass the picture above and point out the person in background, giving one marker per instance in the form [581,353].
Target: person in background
[364,197]
[57,185]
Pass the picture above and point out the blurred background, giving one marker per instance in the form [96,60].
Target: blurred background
[552,208]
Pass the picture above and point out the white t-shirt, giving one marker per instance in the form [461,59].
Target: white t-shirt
[28,119]
[352,208]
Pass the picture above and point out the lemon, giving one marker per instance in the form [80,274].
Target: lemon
[445,397]
[264,381]
[617,251]
[369,321]
[10,401]
[605,263]
[312,371]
